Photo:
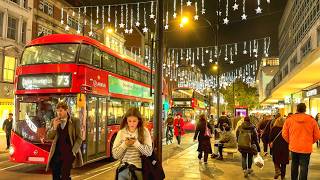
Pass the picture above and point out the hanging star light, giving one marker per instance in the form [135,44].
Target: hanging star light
[210,60]
[145,29]
[244,17]
[231,62]
[226,21]
[189,3]
[235,6]
[166,27]
[196,16]
[137,24]
[152,15]
[258,10]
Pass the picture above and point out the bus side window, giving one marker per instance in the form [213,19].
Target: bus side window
[86,54]
[144,77]
[108,62]
[135,73]
[96,58]
[122,68]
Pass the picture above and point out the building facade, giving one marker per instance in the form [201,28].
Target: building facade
[299,43]
[15,32]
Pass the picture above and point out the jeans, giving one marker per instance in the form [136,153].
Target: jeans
[301,161]
[205,158]
[178,139]
[220,147]
[246,161]
[280,169]
[8,136]
[126,175]
[265,147]
[61,167]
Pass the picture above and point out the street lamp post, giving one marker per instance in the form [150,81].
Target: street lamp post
[157,121]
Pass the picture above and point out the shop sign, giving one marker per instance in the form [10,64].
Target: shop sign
[120,86]
[312,92]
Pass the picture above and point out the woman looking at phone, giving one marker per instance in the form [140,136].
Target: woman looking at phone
[132,141]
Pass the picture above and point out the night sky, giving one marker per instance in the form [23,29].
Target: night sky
[201,34]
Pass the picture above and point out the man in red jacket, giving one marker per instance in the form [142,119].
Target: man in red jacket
[300,131]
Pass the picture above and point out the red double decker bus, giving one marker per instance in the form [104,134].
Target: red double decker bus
[190,103]
[98,84]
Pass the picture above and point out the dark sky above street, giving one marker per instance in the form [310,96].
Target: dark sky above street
[201,34]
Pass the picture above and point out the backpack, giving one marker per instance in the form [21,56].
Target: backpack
[244,139]
[152,168]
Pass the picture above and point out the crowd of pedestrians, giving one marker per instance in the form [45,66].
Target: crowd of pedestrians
[291,137]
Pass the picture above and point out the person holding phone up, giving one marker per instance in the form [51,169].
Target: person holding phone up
[132,141]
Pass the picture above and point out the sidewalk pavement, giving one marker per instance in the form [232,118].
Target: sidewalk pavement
[186,166]
[3,142]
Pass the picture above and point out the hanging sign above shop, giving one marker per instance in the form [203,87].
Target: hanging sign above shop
[312,92]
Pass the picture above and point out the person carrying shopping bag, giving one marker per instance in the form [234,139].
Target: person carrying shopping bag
[203,133]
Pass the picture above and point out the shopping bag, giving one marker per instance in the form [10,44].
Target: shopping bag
[258,161]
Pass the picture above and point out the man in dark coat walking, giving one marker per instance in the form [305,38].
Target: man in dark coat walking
[7,127]
[65,148]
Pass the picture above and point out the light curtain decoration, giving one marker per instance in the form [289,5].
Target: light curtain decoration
[122,17]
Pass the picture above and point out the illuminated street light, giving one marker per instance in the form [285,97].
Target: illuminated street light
[215,67]
[109,30]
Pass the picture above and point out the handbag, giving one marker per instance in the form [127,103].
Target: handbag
[152,168]
[271,144]
[207,132]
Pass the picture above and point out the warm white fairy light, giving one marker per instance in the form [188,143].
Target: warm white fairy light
[235,49]
[115,21]
[196,16]
[97,21]
[203,10]
[78,29]
[127,20]
[181,8]
[145,29]
[138,15]
[61,21]
[202,58]
[244,16]
[67,26]
[226,20]
[121,25]
[166,27]
[245,47]
[235,5]
[109,14]
[211,59]
[250,49]
[103,16]
[189,3]
[258,10]
[216,51]
[152,15]
[226,53]
[91,26]
[174,8]
[131,21]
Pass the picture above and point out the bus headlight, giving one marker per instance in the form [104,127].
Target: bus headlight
[11,150]
[193,122]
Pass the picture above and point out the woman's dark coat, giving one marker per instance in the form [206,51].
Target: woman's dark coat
[204,141]
[280,148]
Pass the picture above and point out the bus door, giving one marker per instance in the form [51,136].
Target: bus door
[96,127]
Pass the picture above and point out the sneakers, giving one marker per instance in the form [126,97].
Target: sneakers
[266,154]
[250,171]
[220,158]
[245,173]
[214,155]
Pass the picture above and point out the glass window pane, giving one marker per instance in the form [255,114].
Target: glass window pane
[92,126]
[96,57]
[122,67]
[1,23]
[86,54]
[109,62]
[12,28]
[55,53]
